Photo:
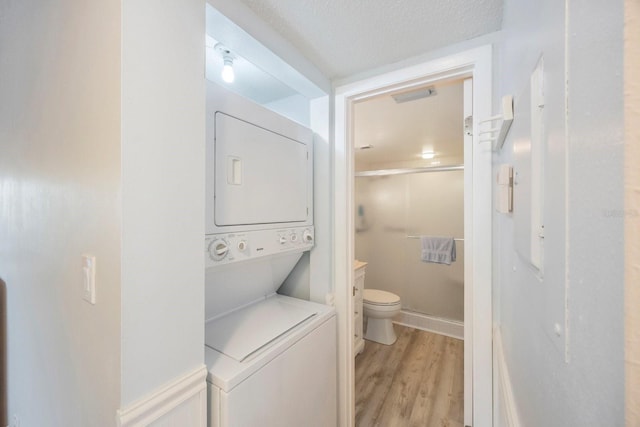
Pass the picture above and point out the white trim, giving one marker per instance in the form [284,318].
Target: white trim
[167,398]
[437,325]
[475,63]
[468,264]
[507,404]
[343,254]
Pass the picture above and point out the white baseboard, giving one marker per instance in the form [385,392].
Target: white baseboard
[450,328]
[507,408]
[180,402]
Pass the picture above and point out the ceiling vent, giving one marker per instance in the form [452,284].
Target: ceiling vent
[416,94]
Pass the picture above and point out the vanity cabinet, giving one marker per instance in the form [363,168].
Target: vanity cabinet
[358,317]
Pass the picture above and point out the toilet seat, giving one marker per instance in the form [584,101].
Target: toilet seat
[380,298]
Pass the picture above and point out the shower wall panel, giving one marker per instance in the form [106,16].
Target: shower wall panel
[390,208]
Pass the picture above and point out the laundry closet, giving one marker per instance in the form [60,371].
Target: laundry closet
[270,336]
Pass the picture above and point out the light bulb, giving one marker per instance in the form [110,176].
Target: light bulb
[428,155]
[227,71]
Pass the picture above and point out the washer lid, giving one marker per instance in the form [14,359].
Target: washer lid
[243,332]
[378,297]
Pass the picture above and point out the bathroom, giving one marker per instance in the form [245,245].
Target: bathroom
[409,184]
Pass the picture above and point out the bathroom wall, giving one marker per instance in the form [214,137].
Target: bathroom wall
[396,206]
[573,374]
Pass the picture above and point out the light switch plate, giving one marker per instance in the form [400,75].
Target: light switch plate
[89,278]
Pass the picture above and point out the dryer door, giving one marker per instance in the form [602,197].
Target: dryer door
[260,176]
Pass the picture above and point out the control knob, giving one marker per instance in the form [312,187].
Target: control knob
[307,237]
[218,249]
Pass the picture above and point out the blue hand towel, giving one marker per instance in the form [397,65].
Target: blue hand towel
[441,250]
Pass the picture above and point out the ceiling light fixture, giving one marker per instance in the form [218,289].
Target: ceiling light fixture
[428,155]
[228,74]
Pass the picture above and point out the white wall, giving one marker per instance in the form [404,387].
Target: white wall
[295,107]
[320,266]
[163,125]
[311,278]
[575,377]
[60,198]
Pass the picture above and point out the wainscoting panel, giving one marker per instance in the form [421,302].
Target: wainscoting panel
[182,402]
[506,412]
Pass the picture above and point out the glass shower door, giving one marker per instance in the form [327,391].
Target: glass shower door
[392,209]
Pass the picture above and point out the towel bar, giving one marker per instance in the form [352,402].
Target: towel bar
[417,237]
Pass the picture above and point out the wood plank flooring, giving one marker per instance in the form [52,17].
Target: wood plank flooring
[418,381]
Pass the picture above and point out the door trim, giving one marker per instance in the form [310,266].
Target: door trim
[477,64]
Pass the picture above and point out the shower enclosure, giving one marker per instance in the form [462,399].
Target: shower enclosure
[390,208]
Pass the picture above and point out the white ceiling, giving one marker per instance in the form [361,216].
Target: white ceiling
[400,132]
[345,37]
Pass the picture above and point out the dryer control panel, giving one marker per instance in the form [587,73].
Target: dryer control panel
[226,248]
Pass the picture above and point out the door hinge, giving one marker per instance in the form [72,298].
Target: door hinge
[468,125]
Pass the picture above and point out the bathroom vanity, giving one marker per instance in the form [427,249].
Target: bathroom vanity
[358,318]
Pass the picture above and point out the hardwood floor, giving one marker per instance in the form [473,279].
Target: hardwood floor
[418,381]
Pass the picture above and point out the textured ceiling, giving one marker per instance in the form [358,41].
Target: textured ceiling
[346,37]
[400,132]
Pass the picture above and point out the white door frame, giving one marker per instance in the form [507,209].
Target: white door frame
[475,63]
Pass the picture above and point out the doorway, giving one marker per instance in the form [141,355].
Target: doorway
[409,187]
[474,64]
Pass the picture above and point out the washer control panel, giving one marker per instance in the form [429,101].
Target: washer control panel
[227,248]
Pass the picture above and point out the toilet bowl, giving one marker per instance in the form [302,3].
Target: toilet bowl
[379,308]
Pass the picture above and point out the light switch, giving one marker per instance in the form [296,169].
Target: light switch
[89,278]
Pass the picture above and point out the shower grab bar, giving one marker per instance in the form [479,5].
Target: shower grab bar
[418,237]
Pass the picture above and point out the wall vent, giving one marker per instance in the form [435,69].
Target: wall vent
[416,94]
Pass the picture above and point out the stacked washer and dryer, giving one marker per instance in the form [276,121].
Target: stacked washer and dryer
[271,358]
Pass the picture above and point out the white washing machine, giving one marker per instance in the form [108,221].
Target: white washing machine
[273,364]
[271,358]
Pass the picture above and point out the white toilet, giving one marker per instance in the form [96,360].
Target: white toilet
[379,308]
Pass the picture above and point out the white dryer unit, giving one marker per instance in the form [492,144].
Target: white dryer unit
[271,358]
[259,166]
